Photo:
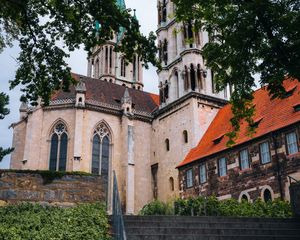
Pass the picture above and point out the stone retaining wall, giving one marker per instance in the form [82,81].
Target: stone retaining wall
[68,190]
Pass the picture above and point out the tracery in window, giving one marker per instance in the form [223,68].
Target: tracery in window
[101,150]
[58,148]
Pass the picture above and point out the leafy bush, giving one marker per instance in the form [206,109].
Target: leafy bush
[212,207]
[35,222]
[157,208]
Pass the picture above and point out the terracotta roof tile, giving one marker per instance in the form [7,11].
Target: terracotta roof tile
[110,93]
[272,114]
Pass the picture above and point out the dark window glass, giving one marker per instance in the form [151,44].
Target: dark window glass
[96,155]
[267,195]
[63,152]
[53,152]
[105,156]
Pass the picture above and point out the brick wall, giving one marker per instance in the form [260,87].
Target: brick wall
[250,182]
[68,190]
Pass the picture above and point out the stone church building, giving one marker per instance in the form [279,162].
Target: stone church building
[108,123]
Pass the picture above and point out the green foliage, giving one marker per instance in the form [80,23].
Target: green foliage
[49,176]
[157,208]
[4,101]
[48,30]
[34,222]
[212,207]
[247,38]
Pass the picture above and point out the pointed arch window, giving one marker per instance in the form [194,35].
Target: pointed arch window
[123,67]
[58,148]
[101,150]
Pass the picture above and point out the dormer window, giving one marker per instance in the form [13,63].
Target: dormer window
[256,122]
[289,92]
[296,107]
[218,139]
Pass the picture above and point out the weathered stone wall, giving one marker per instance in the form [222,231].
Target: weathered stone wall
[31,187]
[250,182]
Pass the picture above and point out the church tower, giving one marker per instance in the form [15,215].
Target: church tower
[110,66]
[183,68]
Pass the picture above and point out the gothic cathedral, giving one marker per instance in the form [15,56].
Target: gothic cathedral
[108,123]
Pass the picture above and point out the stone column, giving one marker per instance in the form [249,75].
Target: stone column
[180,84]
[189,80]
[89,70]
[77,153]
[130,193]
[197,87]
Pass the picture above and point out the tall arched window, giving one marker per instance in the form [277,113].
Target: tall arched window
[101,150]
[165,51]
[167,142]
[58,148]
[171,182]
[193,78]
[123,67]
[185,136]
[106,59]
[164,11]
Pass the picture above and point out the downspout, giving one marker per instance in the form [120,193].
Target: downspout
[279,176]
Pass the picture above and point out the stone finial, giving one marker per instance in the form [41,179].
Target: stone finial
[126,98]
[80,87]
[23,107]
[127,103]
[23,110]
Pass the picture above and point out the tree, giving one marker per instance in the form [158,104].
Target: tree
[41,27]
[4,100]
[247,37]
[47,30]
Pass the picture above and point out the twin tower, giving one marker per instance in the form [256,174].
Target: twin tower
[183,67]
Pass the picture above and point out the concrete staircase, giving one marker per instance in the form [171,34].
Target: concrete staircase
[210,228]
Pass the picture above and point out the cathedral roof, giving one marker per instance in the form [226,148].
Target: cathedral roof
[270,115]
[109,93]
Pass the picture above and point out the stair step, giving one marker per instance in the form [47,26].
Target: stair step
[210,228]
[191,224]
[218,231]
[208,237]
[207,219]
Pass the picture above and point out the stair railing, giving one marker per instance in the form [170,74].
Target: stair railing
[117,215]
[291,179]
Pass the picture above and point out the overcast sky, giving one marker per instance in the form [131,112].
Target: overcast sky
[146,13]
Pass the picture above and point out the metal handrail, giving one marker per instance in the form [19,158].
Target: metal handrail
[293,179]
[117,215]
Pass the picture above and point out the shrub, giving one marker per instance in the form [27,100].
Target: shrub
[157,208]
[210,206]
[35,222]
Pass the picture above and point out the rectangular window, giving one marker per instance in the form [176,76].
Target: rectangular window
[291,141]
[189,178]
[265,153]
[222,167]
[202,172]
[244,159]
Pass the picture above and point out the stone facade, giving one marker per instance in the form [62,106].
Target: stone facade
[252,182]
[66,191]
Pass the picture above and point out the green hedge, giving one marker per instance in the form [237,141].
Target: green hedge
[35,222]
[212,207]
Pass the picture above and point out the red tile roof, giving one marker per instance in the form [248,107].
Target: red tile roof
[110,93]
[272,114]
